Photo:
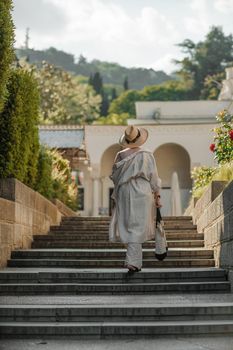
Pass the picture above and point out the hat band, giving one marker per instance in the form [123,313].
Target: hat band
[135,139]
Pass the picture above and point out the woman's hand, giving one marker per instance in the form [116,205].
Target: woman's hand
[157,200]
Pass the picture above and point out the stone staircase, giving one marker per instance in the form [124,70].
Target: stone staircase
[75,259]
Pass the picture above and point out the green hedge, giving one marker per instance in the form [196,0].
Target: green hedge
[19,146]
[6,46]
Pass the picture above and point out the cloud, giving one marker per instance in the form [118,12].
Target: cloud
[199,22]
[224,6]
[41,15]
[98,29]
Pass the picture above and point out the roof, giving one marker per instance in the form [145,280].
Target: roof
[60,136]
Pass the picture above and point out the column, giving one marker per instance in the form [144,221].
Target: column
[95,211]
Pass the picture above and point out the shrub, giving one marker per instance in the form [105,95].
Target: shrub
[19,147]
[223,139]
[54,178]
[201,176]
[44,183]
[6,46]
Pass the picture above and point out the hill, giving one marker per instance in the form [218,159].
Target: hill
[112,73]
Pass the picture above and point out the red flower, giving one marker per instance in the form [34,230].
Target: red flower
[212,147]
[231,134]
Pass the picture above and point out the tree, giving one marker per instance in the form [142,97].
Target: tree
[114,94]
[82,60]
[125,103]
[104,104]
[6,46]
[63,98]
[97,83]
[169,91]
[113,119]
[208,57]
[126,84]
[212,86]
[19,146]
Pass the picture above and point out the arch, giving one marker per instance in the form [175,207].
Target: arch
[107,159]
[172,157]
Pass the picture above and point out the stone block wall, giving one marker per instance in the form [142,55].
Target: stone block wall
[23,213]
[213,215]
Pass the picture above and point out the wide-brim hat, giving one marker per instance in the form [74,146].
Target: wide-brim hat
[133,137]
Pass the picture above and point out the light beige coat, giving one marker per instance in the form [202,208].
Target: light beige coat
[135,179]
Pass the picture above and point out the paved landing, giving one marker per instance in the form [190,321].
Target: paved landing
[180,343]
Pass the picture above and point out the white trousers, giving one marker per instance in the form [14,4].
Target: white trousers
[134,255]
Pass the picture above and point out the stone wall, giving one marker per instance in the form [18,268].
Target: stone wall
[64,210]
[23,213]
[213,215]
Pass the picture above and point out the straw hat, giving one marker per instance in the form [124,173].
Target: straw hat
[133,137]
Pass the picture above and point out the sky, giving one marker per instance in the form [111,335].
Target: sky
[133,33]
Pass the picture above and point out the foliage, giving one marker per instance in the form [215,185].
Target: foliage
[126,84]
[97,82]
[112,73]
[223,139]
[6,46]
[125,103]
[113,119]
[54,178]
[208,57]
[201,176]
[53,56]
[169,91]
[212,86]
[63,99]
[19,145]
[223,149]
[44,183]
[224,172]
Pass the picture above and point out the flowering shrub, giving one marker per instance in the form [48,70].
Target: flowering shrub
[223,150]
[223,139]
[201,178]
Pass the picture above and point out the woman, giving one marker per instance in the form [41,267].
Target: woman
[136,192]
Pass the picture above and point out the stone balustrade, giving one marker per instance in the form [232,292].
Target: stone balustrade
[23,213]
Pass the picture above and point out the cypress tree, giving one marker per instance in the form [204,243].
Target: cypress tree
[104,105]
[90,81]
[6,46]
[19,146]
[97,83]
[126,84]
[114,94]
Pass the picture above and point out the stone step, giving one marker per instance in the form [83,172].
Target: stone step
[112,276]
[107,245]
[79,236]
[169,262]
[107,218]
[100,330]
[105,228]
[114,313]
[104,254]
[116,288]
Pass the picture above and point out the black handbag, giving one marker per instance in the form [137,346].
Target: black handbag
[161,247]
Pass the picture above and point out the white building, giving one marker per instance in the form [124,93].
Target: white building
[180,134]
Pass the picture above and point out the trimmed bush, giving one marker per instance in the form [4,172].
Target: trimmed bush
[19,146]
[6,46]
